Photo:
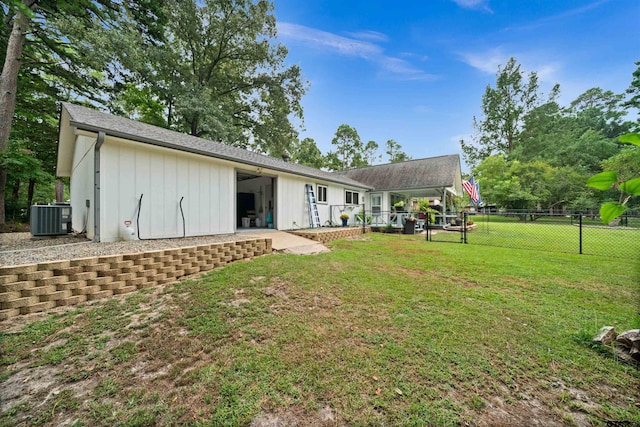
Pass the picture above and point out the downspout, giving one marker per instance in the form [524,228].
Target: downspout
[96,186]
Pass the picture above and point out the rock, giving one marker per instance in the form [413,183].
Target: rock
[628,338]
[606,335]
[635,348]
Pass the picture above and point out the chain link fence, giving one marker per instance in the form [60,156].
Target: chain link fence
[569,232]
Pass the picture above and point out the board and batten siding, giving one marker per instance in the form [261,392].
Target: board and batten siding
[81,185]
[162,177]
[291,202]
[292,205]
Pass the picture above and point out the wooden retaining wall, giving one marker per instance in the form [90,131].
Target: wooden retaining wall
[38,287]
[326,235]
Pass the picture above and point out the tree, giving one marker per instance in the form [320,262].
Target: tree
[307,153]
[627,188]
[32,37]
[503,110]
[395,153]
[581,135]
[525,186]
[218,73]
[371,152]
[349,150]
[601,111]
[634,92]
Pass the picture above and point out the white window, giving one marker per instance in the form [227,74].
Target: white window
[376,204]
[322,194]
[351,197]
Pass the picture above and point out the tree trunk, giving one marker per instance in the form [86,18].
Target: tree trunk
[15,194]
[8,89]
[30,191]
[59,191]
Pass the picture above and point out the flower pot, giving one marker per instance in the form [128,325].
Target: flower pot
[409,227]
[344,222]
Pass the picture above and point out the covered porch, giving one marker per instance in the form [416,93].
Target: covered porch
[394,207]
[401,187]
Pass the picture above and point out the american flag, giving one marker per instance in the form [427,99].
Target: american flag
[473,190]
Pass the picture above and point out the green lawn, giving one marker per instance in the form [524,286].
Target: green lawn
[550,235]
[387,330]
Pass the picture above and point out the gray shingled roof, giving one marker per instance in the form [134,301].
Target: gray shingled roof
[96,121]
[434,172]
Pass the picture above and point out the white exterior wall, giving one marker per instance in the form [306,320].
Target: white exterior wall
[81,185]
[291,205]
[163,177]
[291,202]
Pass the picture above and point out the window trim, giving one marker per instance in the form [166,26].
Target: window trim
[351,193]
[319,200]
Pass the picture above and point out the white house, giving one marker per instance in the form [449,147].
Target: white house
[169,184]
[434,178]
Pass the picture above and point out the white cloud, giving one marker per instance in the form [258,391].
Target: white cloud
[487,61]
[347,46]
[558,17]
[369,35]
[474,4]
[324,40]
[400,67]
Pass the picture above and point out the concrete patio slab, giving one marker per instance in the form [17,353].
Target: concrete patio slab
[288,243]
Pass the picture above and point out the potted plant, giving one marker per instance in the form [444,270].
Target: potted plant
[361,217]
[428,211]
[345,219]
[410,225]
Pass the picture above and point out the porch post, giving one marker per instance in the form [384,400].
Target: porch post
[444,206]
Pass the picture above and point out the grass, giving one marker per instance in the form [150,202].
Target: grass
[389,330]
[550,234]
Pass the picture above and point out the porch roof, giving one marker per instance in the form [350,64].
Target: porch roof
[411,177]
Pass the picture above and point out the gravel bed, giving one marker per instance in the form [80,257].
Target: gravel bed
[20,248]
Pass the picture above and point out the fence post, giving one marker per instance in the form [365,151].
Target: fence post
[580,226]
[428,221]
[464,227]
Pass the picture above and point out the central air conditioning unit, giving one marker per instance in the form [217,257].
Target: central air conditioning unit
[50,220]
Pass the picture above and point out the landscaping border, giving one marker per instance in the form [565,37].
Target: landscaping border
[32,288]
[326,235]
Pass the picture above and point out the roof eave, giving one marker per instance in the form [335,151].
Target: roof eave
[150,141]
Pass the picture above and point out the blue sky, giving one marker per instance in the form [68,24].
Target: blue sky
[415,71]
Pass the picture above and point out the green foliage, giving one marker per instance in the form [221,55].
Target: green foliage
[514,185]
[603,180]
[610,211]
[395,153]
[306,152]
[609,179]
[349,152]
[504,109]
[549,151]
[214,70]
[630,138]
[423,206]
[634,91]
[370,152]
[360,217]
[50,64]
